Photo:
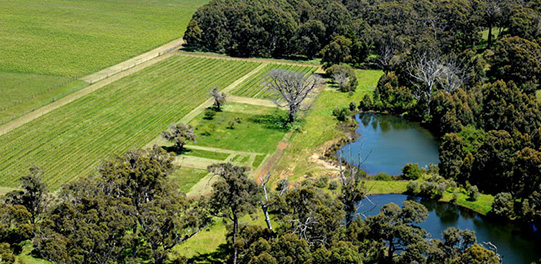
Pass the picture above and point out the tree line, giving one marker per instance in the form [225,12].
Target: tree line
[349,30]
[131,212]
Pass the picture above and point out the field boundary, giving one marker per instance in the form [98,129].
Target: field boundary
[74,96]
[130,63]
[269,61]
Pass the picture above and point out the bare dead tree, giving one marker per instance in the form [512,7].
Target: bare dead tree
[292,88]
[453,75]
[283,186]
[493,247]
[303,228]
[387,57]
[265,203]
[426,69]
[352,189]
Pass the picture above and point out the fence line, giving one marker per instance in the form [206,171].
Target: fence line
[70,91]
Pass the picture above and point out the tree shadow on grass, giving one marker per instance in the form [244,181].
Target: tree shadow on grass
[176,151]
[218,256]
[273,121]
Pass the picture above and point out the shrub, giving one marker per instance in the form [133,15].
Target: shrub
[366,104]
[452,184]
[344,76]
[322,182]
[341,114]
[473,193]
[503,205]
[412,186]
[352,106]
[433,169]
[436,178]
[231,124]
[427,189]
[209,114]
[411,171]
[333,185]
[440,189]
[207,130]
[455,197]
[382,176]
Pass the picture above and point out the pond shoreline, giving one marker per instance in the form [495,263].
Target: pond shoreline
[350,134]
[515,241]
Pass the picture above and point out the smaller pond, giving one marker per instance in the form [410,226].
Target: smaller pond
[387,143]
[516,244]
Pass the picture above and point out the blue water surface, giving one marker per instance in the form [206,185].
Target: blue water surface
[387,143]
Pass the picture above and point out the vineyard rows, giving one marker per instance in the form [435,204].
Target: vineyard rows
[72,140]
[254,87]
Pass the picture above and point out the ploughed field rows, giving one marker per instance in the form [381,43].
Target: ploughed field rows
[71,141]
[45,45]
[22,93]
[254,86]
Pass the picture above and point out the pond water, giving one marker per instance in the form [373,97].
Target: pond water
[517,244]
[387,143]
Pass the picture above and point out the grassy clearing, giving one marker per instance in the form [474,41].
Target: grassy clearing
[22,92]
[538,95]
[78,37]
[258,132]
[483,204]
[186,178]
[258,160]
[206,154]
[71,141]
[209,240]
[320,127]
[384,187]
[253,87]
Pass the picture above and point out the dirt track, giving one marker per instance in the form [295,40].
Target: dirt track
[147,56]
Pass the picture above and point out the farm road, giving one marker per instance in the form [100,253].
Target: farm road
[106,73]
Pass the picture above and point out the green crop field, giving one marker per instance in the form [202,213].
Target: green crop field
[71,141]
[76,37]
[46,44]
[26,92]
[254,86]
